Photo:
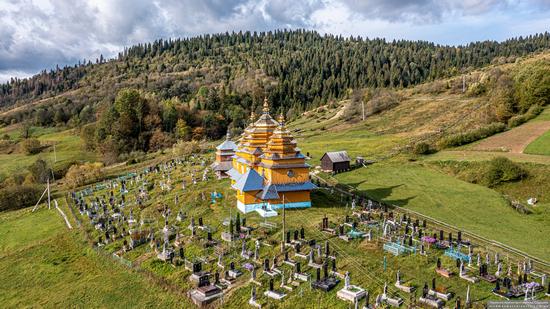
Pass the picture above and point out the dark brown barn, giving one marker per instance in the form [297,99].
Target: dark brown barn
[337,161]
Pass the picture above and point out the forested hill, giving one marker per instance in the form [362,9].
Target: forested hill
[297,69]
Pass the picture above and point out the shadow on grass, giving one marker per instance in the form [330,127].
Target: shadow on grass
[322,198]
[400,202]
[380,193]
[356,185]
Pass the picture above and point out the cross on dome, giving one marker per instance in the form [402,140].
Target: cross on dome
[266,106]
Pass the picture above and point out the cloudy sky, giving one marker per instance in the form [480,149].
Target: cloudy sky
[40,34]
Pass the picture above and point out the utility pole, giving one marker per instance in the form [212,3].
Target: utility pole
[363,108]
[49,200]
[284,219]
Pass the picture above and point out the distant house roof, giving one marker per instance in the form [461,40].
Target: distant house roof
[249,181]
[337,156]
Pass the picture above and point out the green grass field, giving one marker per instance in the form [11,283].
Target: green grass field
[42,264]
[541,146]
[472,207]
[68,148]
[357,142]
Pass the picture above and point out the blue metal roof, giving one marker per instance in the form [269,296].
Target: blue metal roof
[234,174]
[249,181]
[269,192]
[304,186]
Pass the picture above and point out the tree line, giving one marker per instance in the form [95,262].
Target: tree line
[309,68]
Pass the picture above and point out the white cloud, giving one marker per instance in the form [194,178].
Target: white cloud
[38,34]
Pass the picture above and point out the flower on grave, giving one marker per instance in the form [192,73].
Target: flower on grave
[429,239]
[249,266]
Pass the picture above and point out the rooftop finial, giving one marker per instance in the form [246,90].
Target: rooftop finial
[228,135]
[281,119]
[252,116]
[266,106]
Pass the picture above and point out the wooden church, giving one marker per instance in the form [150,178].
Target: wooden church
[268,170]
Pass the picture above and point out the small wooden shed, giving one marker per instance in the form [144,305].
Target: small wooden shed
[336,161]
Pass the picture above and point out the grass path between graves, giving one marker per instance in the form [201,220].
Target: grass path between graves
[42,264]
[472,207]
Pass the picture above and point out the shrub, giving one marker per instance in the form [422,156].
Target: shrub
[19,196]
[5,145]
[502,170]
[422,148]
[60,169]
[182,148]
[533,112]
[31,146]
[13,180]
[471,136]
[133,157]
[476,89]
[79,175]
[382,99]
[40,171]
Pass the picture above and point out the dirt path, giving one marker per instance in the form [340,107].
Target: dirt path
[469,155]
[515,140]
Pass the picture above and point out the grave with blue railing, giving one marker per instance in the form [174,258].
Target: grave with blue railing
[456,254]
[396,248]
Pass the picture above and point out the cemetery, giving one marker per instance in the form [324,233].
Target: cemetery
[226,237]
[163,219]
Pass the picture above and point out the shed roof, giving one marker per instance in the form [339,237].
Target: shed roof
[337,156]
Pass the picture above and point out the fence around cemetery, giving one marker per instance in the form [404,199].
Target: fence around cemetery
[496,246]
[161,281]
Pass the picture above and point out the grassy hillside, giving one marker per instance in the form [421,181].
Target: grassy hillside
[425,113]
[68,148]
[540,146]
[468,206]
[42,264]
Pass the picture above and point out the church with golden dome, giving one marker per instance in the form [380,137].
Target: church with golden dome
[268,170]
